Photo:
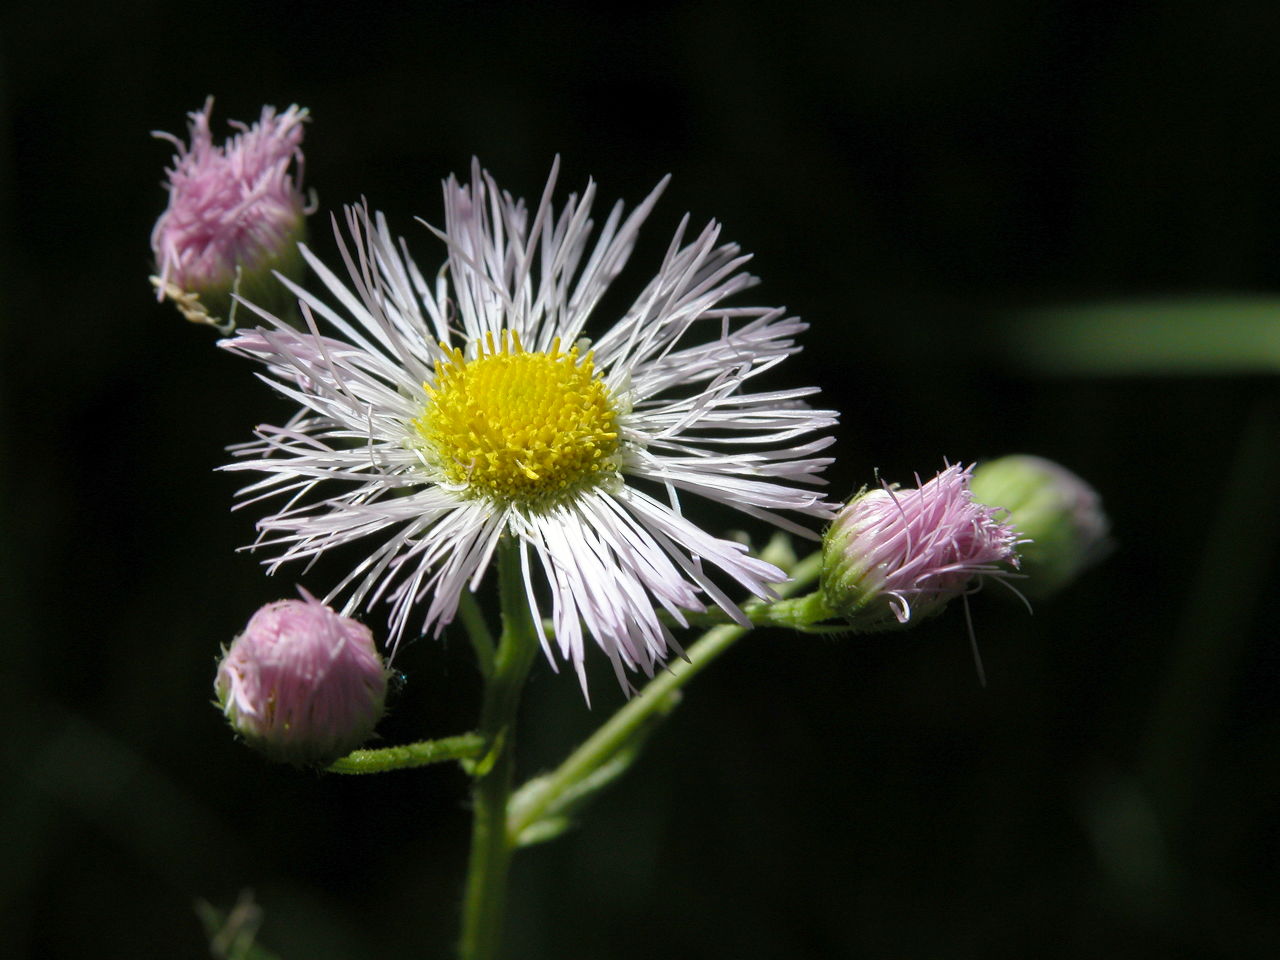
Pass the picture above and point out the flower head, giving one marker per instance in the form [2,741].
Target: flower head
[438,417]
[1060,515]
[302,684]
[236,212]
[896,556]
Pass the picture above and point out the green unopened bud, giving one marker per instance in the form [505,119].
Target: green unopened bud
[1054,509]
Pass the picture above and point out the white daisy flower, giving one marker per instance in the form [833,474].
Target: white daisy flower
[439,416]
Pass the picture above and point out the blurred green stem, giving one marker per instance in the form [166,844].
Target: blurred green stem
[491,844]
[1218,611]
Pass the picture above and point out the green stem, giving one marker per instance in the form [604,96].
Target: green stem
[478,631]
[657,699]
[618,730]
[1221,605]
[802,574]
[465,746]
[491,844]
[802,614]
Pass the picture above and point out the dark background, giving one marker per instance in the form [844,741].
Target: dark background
[911,176]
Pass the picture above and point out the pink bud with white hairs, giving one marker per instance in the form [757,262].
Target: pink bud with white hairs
[236,212]
[302,684]
[895,556]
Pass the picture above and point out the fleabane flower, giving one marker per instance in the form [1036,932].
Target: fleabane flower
[439,416]
[236,213]
[302,684]
[896,556]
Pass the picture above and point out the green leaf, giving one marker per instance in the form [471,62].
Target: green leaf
[540,831]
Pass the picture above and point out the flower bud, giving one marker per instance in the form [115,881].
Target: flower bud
[235,214]
[894,556]
[302,684]
[1058,512]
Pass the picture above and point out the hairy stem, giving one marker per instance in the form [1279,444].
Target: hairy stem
[465,746]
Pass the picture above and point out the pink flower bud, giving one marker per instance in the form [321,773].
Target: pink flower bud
[302,684]
[896,556]
[235,213]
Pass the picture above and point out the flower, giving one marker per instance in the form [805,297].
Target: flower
[454,413]
[235,214]
[1060,515]
[302,684]
[894,557]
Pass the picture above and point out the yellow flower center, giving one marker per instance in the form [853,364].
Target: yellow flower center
[518,427]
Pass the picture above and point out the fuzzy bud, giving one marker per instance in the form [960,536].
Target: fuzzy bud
[236,213]
[1059,513]
[896,556]
[302,684]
